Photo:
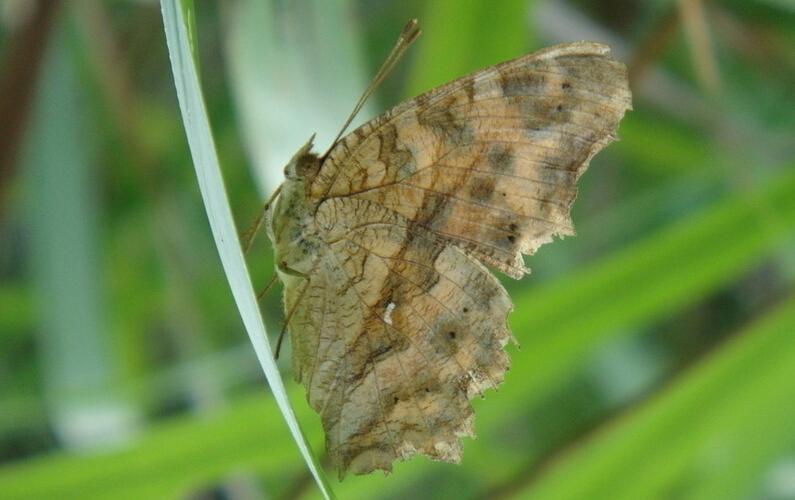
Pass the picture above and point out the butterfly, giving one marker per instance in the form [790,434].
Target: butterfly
[383,244]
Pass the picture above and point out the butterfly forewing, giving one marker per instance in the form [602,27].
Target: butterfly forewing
[489,161]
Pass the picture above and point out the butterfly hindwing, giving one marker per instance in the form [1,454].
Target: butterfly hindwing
[396,332]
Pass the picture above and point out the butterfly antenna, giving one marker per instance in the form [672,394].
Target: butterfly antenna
[407,37]
[251,232]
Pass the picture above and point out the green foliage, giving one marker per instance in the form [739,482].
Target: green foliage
[681,281]
[710,434]
[456,40]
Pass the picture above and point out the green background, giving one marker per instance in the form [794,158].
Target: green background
[657,351]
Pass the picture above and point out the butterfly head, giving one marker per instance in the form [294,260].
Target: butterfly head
[304,164]
[290,222]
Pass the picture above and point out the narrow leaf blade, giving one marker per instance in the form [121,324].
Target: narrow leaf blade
[194,114]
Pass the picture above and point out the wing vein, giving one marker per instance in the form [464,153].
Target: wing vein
[373,364]
[427,325]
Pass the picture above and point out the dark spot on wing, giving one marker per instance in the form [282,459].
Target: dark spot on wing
[421,101]
[434,208]
[501,158]
[481,188]
[522,83]
[380,351]
[469,88]
[443,341]
[393,154]
[445,123]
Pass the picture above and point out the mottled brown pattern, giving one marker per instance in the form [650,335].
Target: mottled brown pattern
[382,245]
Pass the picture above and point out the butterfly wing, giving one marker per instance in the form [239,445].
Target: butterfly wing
[402,323]
[489,161]
[401,330]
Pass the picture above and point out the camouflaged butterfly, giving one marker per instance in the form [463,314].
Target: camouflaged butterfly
[383,244]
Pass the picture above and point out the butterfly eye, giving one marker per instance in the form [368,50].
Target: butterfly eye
[303,163]
[303,167]
[307,166]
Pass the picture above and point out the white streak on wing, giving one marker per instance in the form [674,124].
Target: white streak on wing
[388,313]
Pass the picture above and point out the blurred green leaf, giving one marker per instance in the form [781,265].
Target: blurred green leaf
[174,457]
[460,37]
[686,231]
[282,72]
[682,149]
[16,310]
[79,363]
[708,435]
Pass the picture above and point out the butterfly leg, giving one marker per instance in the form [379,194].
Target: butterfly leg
[292,272]
[284,268]
[262,293]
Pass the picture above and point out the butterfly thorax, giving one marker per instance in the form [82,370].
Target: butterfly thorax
[291,222]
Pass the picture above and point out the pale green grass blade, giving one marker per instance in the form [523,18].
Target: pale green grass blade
[78,360]
[175,19]
[709,435]
[171,459]
[286,78]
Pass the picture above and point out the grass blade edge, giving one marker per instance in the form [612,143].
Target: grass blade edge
[219,213]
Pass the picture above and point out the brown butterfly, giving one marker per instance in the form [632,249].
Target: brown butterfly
[383,243]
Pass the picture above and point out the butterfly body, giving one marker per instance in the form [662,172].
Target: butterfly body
[291,223]
[382,245]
